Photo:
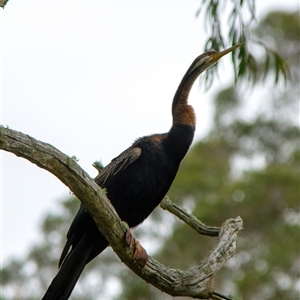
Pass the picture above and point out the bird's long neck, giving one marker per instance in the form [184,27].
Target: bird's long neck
[182,112]
[182,131]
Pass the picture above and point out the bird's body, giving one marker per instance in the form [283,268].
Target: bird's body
[136,181]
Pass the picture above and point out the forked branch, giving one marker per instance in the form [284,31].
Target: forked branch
[193,283]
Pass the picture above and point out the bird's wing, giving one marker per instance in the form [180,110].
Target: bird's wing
[118,164]
[82,219]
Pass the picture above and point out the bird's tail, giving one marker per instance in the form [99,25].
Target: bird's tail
[64,282]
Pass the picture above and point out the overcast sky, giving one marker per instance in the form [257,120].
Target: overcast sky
[89,78]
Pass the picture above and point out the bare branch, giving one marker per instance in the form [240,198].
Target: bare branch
[189,219]
[194,283]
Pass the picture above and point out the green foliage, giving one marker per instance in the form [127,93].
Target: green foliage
[278,54]
[240,19]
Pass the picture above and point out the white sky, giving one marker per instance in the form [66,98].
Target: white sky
[89,78]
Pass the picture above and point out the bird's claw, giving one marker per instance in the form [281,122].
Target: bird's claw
[139,253]
[129,238]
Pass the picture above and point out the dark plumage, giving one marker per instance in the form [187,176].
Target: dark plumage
[136,181]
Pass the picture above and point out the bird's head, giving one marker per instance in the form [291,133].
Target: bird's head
[208,59]
[182,112]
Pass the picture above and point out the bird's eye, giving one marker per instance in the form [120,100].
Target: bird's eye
[211,52]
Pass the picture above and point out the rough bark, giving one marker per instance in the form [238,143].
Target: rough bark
[189,219]
[193,283]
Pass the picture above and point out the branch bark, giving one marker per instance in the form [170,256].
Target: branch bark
[188,218]
[3,3]
[193,283]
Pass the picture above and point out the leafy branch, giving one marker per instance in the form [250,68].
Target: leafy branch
[240,17]
[195,282]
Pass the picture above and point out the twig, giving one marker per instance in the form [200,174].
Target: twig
[217,296]
[189,219]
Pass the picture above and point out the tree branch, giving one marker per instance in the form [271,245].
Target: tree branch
[189,219]
[3,3]
[194,283]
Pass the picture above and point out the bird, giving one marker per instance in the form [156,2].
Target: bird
[136,181]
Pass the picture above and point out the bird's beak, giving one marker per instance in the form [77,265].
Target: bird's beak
[216,56]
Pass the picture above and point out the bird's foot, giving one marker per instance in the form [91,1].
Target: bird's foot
[139,253]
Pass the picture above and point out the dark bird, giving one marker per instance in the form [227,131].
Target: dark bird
[136,181]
